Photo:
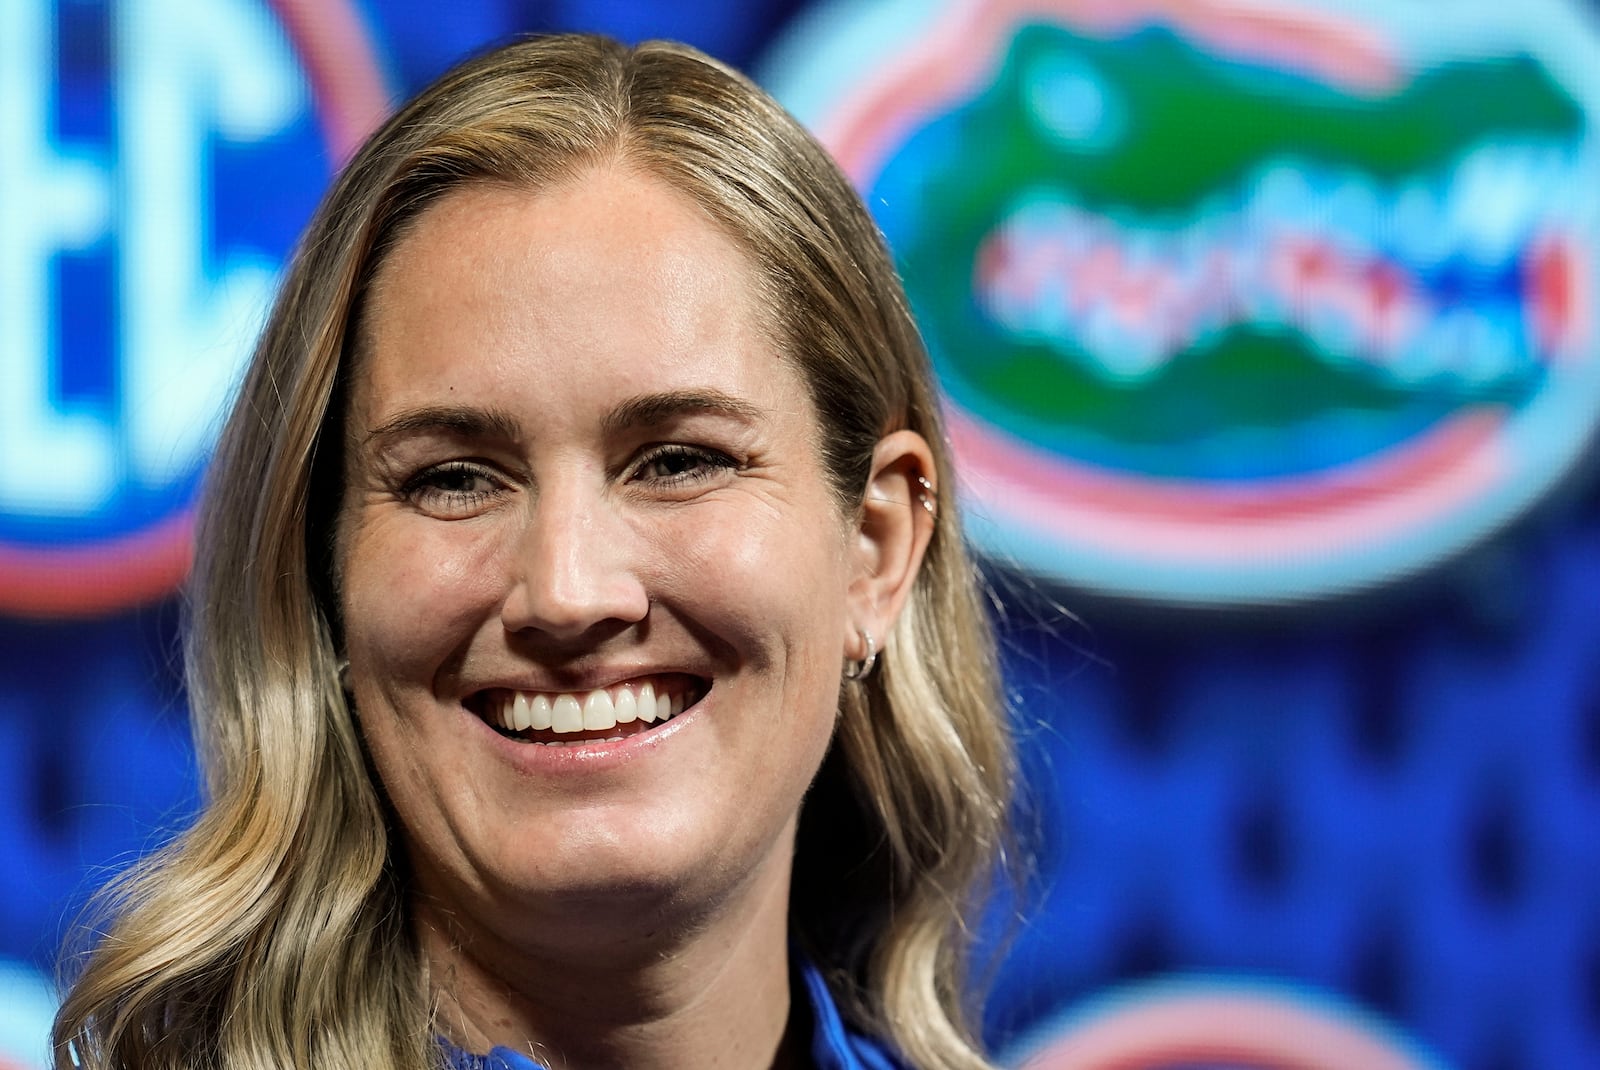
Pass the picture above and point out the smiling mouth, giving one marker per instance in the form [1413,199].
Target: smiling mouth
[568,718]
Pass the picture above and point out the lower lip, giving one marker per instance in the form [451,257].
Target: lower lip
[594,756]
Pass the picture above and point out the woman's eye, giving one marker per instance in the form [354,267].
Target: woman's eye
[674,465]
[452,490]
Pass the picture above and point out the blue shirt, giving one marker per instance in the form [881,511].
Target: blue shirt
[834,1045]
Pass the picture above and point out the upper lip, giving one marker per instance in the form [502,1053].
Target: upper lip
[579,681]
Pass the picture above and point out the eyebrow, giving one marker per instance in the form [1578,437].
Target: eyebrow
[644,411]
[460,421]
[651,409]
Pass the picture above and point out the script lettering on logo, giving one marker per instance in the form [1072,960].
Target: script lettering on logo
[1235,304]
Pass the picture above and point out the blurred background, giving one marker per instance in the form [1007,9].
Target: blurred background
[1268,332]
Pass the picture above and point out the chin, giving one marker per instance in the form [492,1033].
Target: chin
[596,873]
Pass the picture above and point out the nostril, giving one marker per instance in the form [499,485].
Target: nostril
[574,568]
[570,612]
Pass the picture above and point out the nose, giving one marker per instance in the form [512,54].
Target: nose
[576,568]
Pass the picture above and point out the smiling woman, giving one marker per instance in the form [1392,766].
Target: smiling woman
[586,665]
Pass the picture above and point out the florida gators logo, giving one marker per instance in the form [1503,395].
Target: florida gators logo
[1235,303]
[157,158]
[1218,1024]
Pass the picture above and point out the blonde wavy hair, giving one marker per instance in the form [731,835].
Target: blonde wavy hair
[274,932]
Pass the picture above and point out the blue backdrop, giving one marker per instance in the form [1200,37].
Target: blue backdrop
[1366,804]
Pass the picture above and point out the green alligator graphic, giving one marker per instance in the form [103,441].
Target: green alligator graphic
[1178,158]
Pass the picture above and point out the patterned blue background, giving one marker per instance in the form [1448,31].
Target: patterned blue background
[1394,802]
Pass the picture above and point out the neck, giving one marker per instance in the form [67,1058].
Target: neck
[673,991]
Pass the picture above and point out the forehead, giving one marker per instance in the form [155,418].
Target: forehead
[609,277]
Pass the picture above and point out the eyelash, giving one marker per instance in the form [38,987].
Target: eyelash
[430,484]
[708,463]
[443,481]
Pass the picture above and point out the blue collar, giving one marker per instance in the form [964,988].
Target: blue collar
[834,1045]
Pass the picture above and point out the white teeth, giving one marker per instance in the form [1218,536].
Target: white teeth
[566,715]
[627,706]
[598,712]
[594,711]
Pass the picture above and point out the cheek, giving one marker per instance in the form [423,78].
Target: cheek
[412,590]
[773,583]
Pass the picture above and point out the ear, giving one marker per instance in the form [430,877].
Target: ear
[896,524]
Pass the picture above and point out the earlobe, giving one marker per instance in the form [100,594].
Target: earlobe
[897,521]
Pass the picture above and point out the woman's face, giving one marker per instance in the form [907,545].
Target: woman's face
[581,484]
